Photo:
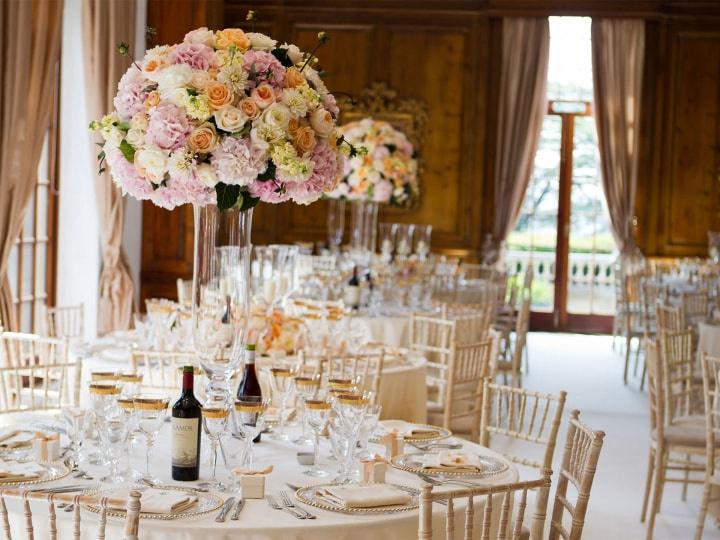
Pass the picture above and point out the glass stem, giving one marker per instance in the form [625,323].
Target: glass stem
[150,443]
[214,445]
[316,451]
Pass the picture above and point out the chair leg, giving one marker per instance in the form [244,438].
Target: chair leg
[628,341]
[686,475]
[703,509]
[648,484]
[643,376]
[657,490]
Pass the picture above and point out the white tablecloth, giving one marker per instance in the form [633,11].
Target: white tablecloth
[258,521]
[709,341]
[390,330]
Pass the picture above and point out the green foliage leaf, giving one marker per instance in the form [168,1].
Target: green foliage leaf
[127,150]
[248,202]
[227,195]
[282,56]
[123,126]
[269,173]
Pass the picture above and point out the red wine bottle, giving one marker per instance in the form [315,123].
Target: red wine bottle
[185,429]
[249,387]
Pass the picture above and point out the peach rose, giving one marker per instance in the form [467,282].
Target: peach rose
[293,127]
[232,36]
[293,77]
[304,140]
[200,79]
[322,122]
[218,95]
[153,99]
[249,107]
[203,139]
[263,95]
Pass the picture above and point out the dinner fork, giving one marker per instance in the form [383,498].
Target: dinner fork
[287,500]
[274,504]
[436,482]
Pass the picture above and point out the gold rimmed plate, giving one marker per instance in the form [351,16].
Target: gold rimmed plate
[207,503]
[54,470]
[433,433]
[417,463]
[311,495]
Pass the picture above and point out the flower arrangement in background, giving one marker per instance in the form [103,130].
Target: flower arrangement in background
[277,332]
[225,117]
[386,170]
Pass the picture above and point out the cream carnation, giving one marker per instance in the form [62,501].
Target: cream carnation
[198,108]
[136,137]
[207,175]
[261,42]
[234,76]
[152,164]
[200,36]
[175,76]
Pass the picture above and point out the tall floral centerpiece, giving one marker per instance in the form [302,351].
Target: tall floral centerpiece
[385,172]
[222,121]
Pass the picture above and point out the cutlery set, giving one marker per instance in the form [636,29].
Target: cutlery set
[227,506]
[288,506]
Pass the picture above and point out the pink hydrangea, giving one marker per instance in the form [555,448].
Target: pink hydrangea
[269,191]
[331,105]
[266,67]
[195,55]
[165,198]
[326,170]
[126,176]
[192,191]
[238,162]
[131,94]
[168,128]
[382,191]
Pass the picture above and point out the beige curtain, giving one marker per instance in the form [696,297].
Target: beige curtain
[29,47]
[521,108]
[618,50]
[105,24]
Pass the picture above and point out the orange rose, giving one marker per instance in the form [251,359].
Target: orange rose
[250,108]
[203,138]
[263,95]
[304,140]
[153,99]
[218,95]
[293,77]
[293,126]
[232,36]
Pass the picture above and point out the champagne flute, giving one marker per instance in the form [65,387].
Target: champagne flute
[367,427]
[103,395]
[282,382]
[351,410]
[318,412]
[150,412]
[75,421]
[249,421]
[306,388]
[215,416]
[127,406]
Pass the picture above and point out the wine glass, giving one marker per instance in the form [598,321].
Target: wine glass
[318,412]
[130,383]
[75,421]
[422,241]
[404,239]
[387,232]
[114,436]
[249,422]
[127,406]
[150,412]
[305,388]
[103,376]
[103,396]
[369,423]
[215,416]
[282,382]
[350,409]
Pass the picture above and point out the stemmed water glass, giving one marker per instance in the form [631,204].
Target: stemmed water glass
[369,423]
[422,241]
[318,413]
[130,383]
[150,412]
[350,409]
[103,395]
[114,436]
[387,232]
[75,421]
[249,422]
[305,389]
[282,381]
[215,416]
[127,406]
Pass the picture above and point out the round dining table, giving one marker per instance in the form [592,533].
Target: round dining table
[258,521]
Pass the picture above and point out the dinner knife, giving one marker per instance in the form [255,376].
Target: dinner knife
[238,509]
[225,509]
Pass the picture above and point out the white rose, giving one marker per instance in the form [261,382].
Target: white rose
[200,36]
[176,96]
[322,122]
[206,174]
[152,164]
[295,54]
[200,79]
[230,119]
[277,115]
[139,121]
[173,76]
[261,42]
[112,135]
[136,137]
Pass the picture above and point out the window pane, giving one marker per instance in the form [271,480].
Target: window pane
[570,67]
[28,277]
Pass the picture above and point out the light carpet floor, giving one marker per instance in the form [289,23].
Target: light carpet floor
[591,373]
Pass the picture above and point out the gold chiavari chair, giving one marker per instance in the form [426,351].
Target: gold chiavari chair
[530,418]
[579,462]
[433,338]
[463,383]
[36,373]
[668,318]
[132,517]
[492,524]
[65,322]
[695,307]
[161,370]
[514,364]
[472,322]
[634,327]
[711,395]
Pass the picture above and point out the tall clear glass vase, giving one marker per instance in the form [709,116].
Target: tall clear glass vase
[335,224]
[221,292]
[363,234]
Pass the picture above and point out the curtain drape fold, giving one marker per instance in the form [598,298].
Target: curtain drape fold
[521,108]
[618,50]
[30,33]
[105,24]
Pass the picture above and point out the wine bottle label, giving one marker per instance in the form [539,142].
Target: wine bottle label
[185,441]
[351,296]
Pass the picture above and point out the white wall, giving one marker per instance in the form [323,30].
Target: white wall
[78,238]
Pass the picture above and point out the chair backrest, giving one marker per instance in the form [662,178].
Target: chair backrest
[477,271]
[65,322]
[471,323]
[184,291]
[36,373]
[491,520]
[711,398]
[695,307]
[433,338]
[161,370]
[677,364]
[132,517]
[366,366]
[469,366]
[668,318]
[579,462]
[522,325]
[651,293]
[655,387]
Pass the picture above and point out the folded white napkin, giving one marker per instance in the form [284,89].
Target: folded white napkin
[16,439]
[13,471]
[407,430]
[454,462]
[155,501]
[365,496]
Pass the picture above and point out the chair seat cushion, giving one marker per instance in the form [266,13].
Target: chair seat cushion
[459,426]
[687,431]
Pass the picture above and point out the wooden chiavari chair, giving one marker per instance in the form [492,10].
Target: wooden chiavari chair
[579,462]
[695,307]
[668,318]
[711,395]
[161,370]
[65,322]
[366,367]
[472,322]
[514,364]
[532,418]
[434,339]
[463,384]
[500,526]
[634,327]
[132,518]
[36,373]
